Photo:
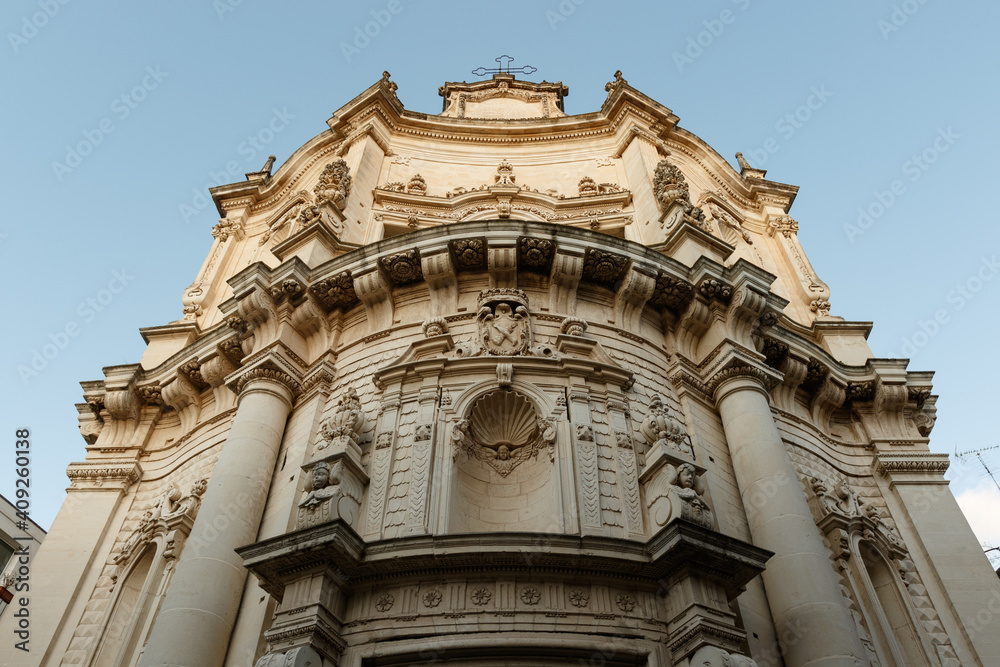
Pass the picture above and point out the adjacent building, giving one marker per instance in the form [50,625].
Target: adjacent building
[505,384]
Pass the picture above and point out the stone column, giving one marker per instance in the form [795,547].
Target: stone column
[808,609]
[198,613]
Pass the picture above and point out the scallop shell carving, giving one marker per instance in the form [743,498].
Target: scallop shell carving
[503,419]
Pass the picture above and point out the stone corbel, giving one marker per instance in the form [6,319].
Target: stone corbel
[502,262]
[215,370]
[743,315]
[692,325]
[830,394]
[631,298]
[911,467]
[182,395]
[794,371]
[439,274]
[567,270]
[375,293]
[255,304]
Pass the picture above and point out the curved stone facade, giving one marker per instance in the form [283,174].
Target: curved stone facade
[509,384]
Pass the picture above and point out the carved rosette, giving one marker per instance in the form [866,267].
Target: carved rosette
[503,321]
[336,292]
[403,268]
[605,268]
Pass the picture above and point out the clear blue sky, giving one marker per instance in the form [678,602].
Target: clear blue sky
[169,93]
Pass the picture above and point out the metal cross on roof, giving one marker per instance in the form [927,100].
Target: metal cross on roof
[504,68]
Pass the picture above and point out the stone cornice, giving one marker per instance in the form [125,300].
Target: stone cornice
[111,474]
[888,463]
[680,545]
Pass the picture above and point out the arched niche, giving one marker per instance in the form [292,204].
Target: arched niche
[886,604]
[123,632]
[504,479]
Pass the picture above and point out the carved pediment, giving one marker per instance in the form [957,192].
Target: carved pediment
[503,98]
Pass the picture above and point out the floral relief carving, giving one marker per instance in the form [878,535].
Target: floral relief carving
[530,595]
[336,291]
[661,428]
[534,253]
[334,184]
[345,424]
[604,267]
[625,602]
[432,598]
[481,596]
[403,268]
[385,602]
[468,253]
[579,598]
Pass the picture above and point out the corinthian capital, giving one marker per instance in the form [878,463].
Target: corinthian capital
[277,364]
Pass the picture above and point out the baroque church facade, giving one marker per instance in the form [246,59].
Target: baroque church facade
[501,385]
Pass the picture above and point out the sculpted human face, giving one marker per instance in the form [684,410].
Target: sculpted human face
[321,476]
[685,478]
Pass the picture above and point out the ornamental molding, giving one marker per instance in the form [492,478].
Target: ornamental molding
[116,474]
[886,464]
